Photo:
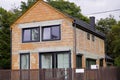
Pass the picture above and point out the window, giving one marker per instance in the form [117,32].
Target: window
[24,61]
[31,34]
[55,60]
[90,62]
[93,38]
[101,62]
[79,61]
[51,33]
[88,36]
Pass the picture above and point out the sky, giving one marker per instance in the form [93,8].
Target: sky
[87,7]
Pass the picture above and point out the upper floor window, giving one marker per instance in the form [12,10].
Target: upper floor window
[93,38]
[88,36]
[51,33]
[31,34]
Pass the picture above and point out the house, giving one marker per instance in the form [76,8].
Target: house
[43,37]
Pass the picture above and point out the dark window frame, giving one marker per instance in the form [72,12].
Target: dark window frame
[54,58]
[79,65]
[21,61]
[30,34]
[89,61]
[88,36]
[51,32]
[93,38]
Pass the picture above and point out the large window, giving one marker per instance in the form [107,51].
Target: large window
[79,61]
[24,61]
[55,60]
[90,62]
[31,34]
[51,33]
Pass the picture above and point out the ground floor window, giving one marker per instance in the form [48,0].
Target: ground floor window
[90,62]
[78,61]
[55,60]
[101,63]
[24,61]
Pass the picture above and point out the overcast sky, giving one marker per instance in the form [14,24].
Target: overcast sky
[87,6]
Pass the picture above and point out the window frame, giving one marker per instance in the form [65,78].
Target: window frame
[30,34]
[21,60]
[88,36]
[77,61]
[88,62]
[54,58]
[59,26]
[93,38]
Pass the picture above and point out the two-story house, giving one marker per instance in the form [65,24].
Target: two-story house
[44,37]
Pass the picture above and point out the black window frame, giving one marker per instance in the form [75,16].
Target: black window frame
[54,58]
[30,34]
[88,36]
[21,61]
[51,32]
[88,62]
[79,62]
[93,38]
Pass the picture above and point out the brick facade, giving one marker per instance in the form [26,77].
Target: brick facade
[39,14]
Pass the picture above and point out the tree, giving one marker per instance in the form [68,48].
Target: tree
[116,43]
[105,26]
[68,8]
[64,6]
[4,38]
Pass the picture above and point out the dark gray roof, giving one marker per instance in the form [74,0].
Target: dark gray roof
[108,57]
[87,27]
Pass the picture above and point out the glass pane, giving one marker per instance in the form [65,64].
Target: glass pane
[47,61]
[79,61]
[26,35]
[63,60]
[35,34]
[25,61]
[46,34]
[55,32]
[90,62]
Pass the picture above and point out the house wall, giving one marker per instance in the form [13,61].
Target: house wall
[40,14]
[88,48]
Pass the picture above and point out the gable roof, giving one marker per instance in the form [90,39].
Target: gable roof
[80,24]
[37,2]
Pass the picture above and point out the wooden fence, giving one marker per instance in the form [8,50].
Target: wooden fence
[110,73]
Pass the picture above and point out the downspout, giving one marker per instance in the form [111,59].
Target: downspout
[74,47]
[75,39]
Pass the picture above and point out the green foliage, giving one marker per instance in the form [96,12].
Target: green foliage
[5,20]
[68,8]
[116,36]
[105,26]
[111,28]
[117,61]
[63,6]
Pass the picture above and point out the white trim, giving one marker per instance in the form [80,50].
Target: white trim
[42,23]
[48,49]
[91,55]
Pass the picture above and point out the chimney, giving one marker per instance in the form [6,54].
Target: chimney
[92,22]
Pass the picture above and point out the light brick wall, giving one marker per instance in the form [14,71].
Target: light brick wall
[89,49]
[40,12]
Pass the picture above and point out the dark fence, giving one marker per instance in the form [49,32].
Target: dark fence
[110,73]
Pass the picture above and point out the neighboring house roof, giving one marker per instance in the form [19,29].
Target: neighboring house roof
[81,24]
